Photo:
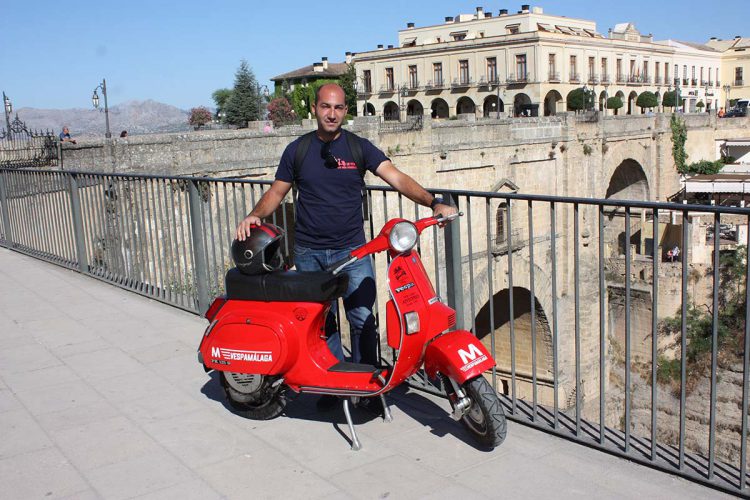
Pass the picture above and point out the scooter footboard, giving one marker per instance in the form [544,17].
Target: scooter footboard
[458,355]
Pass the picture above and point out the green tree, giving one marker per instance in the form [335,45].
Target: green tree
[614,102]
[347,81]
[703,167]
[700,105]
[679,137]
[576,99]
[647,99]
[199,116]
[245,103]
[221,97]
[670,98]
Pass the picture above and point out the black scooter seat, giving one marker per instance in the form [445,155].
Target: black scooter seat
[286,286]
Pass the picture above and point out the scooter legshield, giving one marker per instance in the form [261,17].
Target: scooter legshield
[458,355]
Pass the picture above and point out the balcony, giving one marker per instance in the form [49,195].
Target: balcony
[694,82]
[485,81]
[459,83]
[657,80]
[676,82]
[621,78]
[606,79]
[574,78]
[435,84]
[387,88]
[521,78]
[413,85]
[710,83]
[553,78]
[593,79]
[685,82]
[704,83]
[739,83]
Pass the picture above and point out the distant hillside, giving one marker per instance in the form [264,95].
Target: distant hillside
[137,117]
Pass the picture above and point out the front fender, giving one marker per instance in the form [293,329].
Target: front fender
[458,355]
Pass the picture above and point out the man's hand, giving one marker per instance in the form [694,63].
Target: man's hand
[243,230]
[443,210]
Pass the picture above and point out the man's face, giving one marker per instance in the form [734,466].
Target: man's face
[331,109]
[65,130]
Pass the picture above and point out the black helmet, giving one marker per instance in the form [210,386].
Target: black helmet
[260,252]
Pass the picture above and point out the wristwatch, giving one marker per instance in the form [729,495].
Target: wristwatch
[436,201]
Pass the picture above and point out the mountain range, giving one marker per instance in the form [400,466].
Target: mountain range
[137,117]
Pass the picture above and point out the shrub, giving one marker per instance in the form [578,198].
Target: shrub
[280,112]
[576,99]
[614,102]
[199,116]
[647,99]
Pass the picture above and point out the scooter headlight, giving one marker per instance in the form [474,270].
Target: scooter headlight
[403,237]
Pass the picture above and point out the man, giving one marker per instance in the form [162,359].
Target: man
[65,136]
[329,213]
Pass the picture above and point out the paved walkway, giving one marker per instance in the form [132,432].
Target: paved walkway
[101,396]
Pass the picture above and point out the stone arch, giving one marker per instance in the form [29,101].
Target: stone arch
[492,105]
[603,101]
[368,109]
[551,102]
[621,95]
[465,106]
[439,108]
[628,182]
[521,104]
[522,305]
[631,102]
[414,108]
[390,111]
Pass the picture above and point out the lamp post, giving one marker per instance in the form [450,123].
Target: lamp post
[262,90]
[402,93]
[585,98]
[606,97]
[497,98]
[727,88]
[8,110]
[95,102]
[677,100]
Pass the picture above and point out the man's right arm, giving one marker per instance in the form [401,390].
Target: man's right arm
[267,205]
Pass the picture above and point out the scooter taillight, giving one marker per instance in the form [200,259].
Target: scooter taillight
[213,310]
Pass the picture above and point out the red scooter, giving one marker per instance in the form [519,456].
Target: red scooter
[268,335]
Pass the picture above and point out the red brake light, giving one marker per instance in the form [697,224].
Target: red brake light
[213,310]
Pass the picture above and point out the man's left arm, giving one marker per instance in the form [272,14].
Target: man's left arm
[410,188]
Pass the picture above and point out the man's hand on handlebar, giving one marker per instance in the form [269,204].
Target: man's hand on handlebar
[443,210]
[243,230]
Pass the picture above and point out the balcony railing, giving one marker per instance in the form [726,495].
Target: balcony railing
[685,82]
[574,77]
[693,82]
[462,82]
[562,289]
[553,77]
[413,85]
[606,79]
[387,87]
[593,79]
[518,78]
[621,79]
[658,80]
[739,83]
[434,84]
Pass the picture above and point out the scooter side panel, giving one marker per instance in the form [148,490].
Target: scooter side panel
[458,355]
[228,349]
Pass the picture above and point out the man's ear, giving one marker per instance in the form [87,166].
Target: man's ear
[312,106]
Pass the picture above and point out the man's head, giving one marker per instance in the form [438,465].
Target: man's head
[65,130]
[330,108]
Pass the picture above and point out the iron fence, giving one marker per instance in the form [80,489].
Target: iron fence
[21,147]
[598,338]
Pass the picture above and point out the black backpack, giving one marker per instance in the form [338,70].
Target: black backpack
[355,146]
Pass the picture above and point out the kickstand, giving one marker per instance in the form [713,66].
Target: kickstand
[355,442]
[387,417]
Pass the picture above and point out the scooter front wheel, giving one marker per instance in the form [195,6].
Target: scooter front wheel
[485,418]
[253,395]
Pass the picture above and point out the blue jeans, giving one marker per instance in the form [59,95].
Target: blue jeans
[358,301]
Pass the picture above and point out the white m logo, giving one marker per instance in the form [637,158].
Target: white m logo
[467,357]
[215,352]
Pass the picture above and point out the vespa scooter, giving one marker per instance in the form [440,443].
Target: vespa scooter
[267,335]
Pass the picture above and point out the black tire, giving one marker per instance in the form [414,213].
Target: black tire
[264,403]
[485,419]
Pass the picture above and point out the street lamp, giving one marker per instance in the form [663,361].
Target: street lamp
[402,93]
[497,98]
[262,89]
[8,110]
[727,88]
[95,102]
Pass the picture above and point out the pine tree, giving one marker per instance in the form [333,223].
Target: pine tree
[244,104]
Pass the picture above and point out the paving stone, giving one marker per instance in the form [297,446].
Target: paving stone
[191,490]
[78,415]
[104,363]
[58,397]
[40,474]
[21,434]
[8,401]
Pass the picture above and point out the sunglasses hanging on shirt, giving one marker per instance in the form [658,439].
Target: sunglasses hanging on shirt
[330,161]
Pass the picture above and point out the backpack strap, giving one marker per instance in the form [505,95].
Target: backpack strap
[355,146]
[299,156]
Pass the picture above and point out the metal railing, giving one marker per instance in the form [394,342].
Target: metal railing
[21,147]
[409,124]
[568,301]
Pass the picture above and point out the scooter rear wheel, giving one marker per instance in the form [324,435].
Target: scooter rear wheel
[252,395]
[485,419]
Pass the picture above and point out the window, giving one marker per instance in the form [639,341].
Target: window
[645,71]
[512,29]
[463,71]
[492,69]
[710,80]
[437,74]
[413,80]
[657,67]
[367,76]
[458,36]
[618,70]
[738,76]
[500,216]
[592,63]
[676,73]
[552,68]
[666,73]
[389,79]
[603,71]
[631,74]
[573,69]
[702,79]
[521,67]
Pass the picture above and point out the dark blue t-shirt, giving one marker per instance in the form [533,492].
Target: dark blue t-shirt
[329,204]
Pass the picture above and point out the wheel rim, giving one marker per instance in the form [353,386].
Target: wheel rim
[244,383]
[475,418]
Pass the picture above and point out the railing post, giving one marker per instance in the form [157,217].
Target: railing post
[8,240]
[200,273]
[75,206]
[453,275]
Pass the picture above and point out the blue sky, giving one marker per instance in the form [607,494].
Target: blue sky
[53,54]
